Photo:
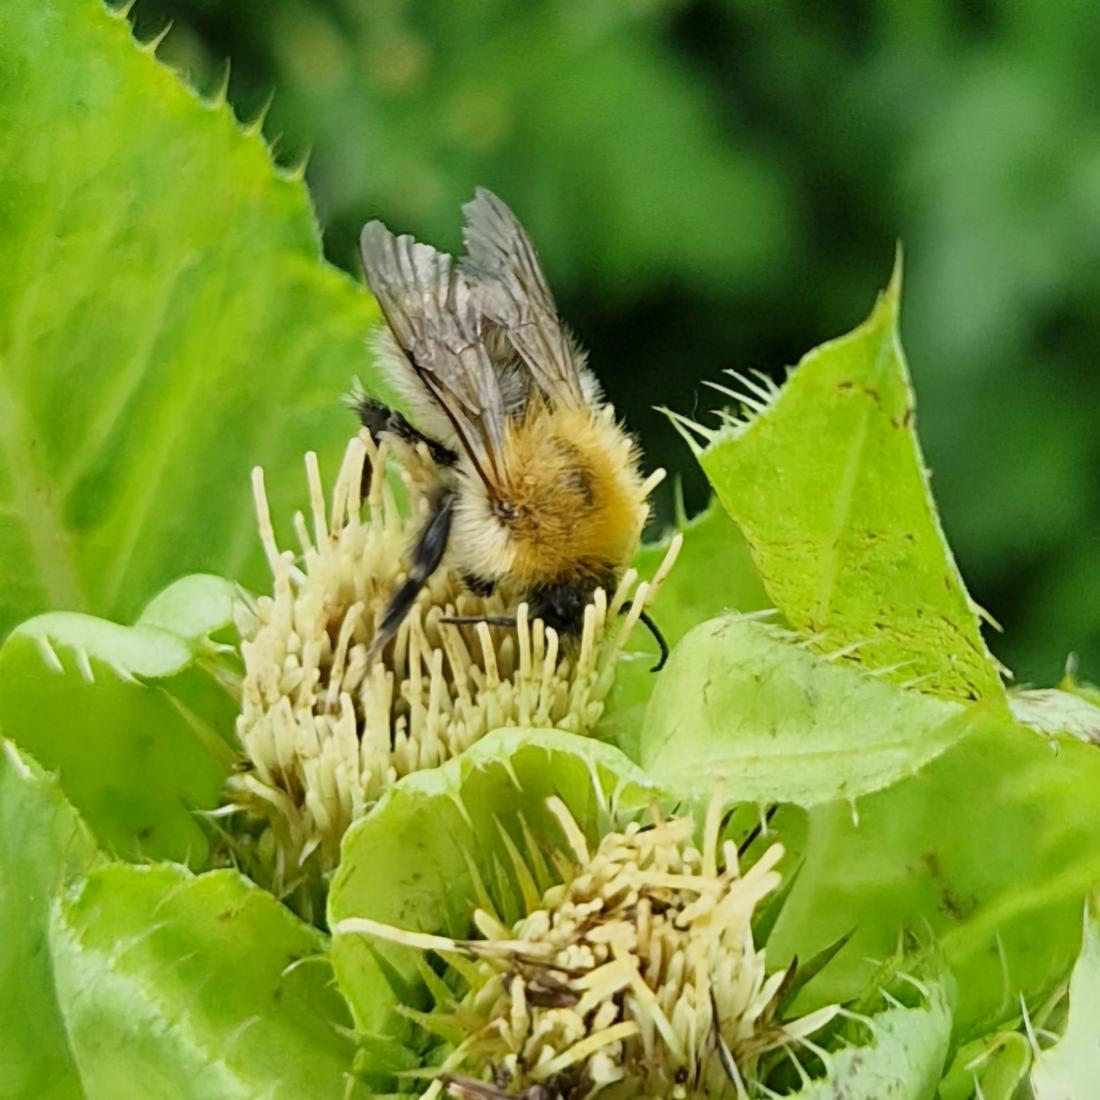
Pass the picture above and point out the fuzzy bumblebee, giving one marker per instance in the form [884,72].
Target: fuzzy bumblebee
[540,496]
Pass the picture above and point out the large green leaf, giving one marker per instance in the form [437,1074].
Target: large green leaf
[827,482]
[409,862]
[712,574]
[137,721]
[1070,1069]
[991,846]
[741,700]
[175,987]
[165,322]
[43,846]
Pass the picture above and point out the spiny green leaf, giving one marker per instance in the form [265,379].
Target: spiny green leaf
[134,720]
[203,987]
[43,846]
[196,608]
[828,484]
[991,847]
[1070,1069]
[740,700]
[166,322]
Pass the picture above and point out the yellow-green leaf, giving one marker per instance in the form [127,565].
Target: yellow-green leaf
[44,847]
[166,323]
[827,482]
[740,700]
[205,988]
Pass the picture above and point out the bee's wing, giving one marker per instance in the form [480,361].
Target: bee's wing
[503,264]
[429,307]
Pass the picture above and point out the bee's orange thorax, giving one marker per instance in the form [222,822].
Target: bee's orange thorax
[574,493]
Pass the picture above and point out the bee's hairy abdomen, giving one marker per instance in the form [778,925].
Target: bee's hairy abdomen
[576,504]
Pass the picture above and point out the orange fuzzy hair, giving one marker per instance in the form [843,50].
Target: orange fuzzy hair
[577,494]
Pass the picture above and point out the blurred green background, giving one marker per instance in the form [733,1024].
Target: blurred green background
[721,184]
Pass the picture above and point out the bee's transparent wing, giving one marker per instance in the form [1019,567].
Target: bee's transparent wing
[429,307]
[514,295]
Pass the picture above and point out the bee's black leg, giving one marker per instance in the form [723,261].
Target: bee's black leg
[378,418]
[473,620]
[424,559]
[479,586]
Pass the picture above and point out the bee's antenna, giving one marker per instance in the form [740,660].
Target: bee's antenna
[654,629]
[472,620]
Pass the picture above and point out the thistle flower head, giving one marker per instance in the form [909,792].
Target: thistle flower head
[636,976]
[324,731]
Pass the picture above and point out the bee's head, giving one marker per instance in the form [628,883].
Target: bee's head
[561,604]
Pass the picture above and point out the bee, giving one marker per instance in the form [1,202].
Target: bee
[540,496]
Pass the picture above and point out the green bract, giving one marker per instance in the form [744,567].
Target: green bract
[996,1064]
[1054,711]
[745,701]
[903,1059]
